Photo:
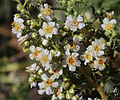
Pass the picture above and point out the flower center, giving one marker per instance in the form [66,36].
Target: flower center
[16,26]
[55,71]
[48,29]
[101,62]
[108,27]
[36,53]
[48,82]
[45,58]
[57,91]
[74,23]
[71,60]
[88,56]
[71,47]
[47,11]
[96,48]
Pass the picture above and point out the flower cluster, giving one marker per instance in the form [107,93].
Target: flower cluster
[67,54]
[95,54]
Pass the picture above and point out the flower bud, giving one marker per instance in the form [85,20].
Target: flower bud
[34,35]
[68,96]
[44,42]
[40,71]
[25,49]
[19,7]
[68,9]
[28,22]
[22,11]
[39,16]
[71,91]
[26,43]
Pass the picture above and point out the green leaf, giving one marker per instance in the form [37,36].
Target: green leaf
[79,7]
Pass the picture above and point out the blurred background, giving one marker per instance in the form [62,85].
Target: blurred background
[13,78]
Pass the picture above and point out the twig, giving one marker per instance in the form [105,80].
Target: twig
[93,83]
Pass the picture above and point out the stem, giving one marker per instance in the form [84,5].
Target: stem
[62,9]
[93,83]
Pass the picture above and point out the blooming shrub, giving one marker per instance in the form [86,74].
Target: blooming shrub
[73,57]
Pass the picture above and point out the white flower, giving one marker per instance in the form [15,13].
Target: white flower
[45,57]
[34,52]
[74,24]
[17,26]
[33,84]
[88,56]
[22,39]
[57,93]
[57,53]
[44,42]
[96,48]
[99,63]
[47,85]
[102,41]
[74,47]
[48,29]
[33,68]
[72,61]
[46,12]
[40,71]
[56,73]
[108,24]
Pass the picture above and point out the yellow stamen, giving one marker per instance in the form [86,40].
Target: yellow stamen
[45,58]
[47,11]
[101,62]
[48,82]
[48,29]
[71,60]
[88,56]
[16,26]
[108,27]
[74,23]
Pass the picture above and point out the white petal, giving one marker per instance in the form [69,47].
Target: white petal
[81,25]
[73,28]
[44,77]
[19,34]
[51,24]
[77,47]
[61,72]
[46,5]
[55,84]
[103,26]
[67,23]
[67,53]
[48,91]
[101,68]
[32,48]
[31,56]
[41,32]
[75,54]
[70,18]
[106,21]
[60,96]
[41,85]
[45,25]
[48,18]
[33,84]
[72,68]
[41,92]
[79,18]
[53,97]
[53,77]
[54,31]
[113,21]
